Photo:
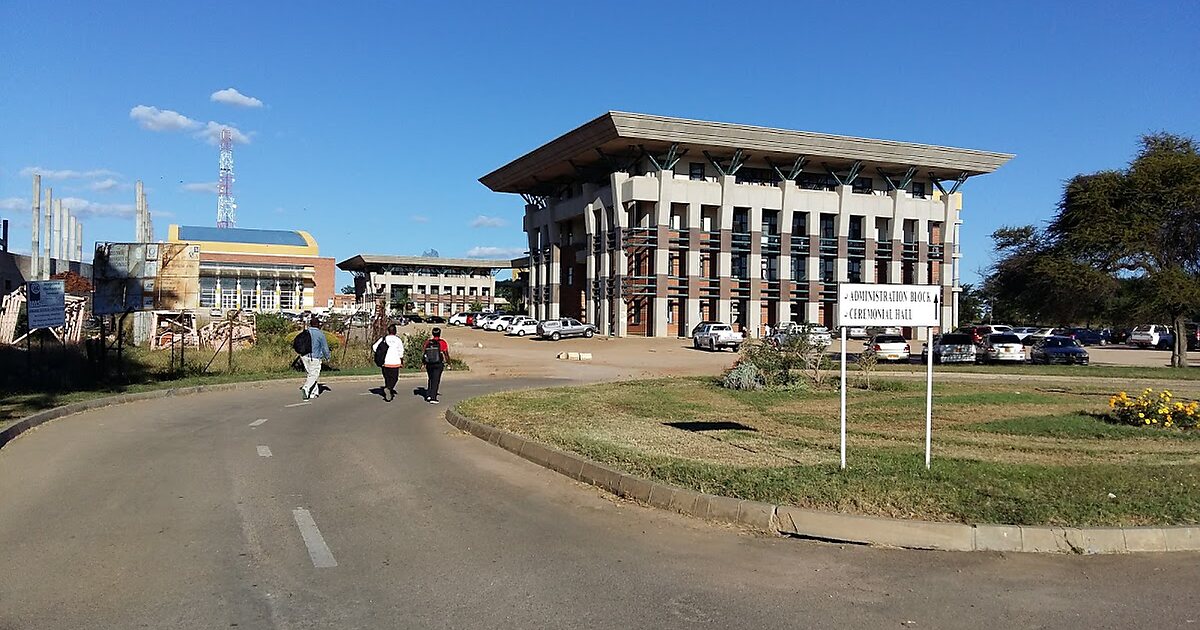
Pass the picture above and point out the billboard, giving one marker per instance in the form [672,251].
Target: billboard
[888,304]
[46,303]
[145,277]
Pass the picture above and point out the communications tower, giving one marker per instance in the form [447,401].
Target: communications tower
[226,208]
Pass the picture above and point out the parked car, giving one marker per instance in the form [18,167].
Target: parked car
[483,319]
[415,318]
[1088,337]
[1193,335]
[459,319]
[697,327]
[435,319]
[817,335]
[950,348]
[1024,331]
[1152,336]
[888,348]
[1005,347]
[717,336]
[875,331]
[521,326]
[499,323]
[556,329]
[981,331]
[1057,349]
[856,332]
[1042,333]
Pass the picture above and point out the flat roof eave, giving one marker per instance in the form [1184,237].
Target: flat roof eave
[362,262]
[613,131]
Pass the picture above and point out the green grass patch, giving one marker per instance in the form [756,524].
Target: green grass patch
[1089,371]
[1077,425]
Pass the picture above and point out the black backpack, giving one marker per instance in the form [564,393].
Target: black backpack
[302,344]
[433,352]
[381,352]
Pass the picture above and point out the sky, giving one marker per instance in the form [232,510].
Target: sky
[368,124]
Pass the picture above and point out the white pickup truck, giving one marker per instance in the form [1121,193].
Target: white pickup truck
[716,337]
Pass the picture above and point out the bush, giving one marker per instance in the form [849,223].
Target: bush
[414,347]
[743,377]
[1148,409]
[273,324]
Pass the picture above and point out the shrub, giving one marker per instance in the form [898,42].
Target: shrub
[1148,409]
[414,347]
[744,376]
[272,324]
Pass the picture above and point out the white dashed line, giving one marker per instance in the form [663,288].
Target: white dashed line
[264,451]
[299,404]
[322,557]
[258,422]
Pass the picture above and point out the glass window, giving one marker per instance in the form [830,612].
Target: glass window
[208,292]
[918,190]
[696,171]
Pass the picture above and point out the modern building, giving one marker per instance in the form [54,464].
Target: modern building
[259,270]
[433,286]
[648,225]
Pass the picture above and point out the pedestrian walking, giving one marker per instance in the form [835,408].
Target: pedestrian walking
[434,356]
[389,356]
[313,349]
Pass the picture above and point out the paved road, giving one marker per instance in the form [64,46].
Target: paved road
[170,514]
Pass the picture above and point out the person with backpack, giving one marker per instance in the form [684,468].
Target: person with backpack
[389,356]
[313,349]
[434,357]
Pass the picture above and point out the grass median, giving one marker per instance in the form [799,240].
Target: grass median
[1002,453]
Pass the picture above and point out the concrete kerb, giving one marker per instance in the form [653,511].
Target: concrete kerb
[836,527]
[35,420]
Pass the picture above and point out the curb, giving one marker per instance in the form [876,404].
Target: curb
[835,527]
[31,421]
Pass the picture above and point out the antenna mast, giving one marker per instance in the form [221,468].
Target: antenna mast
[226,208]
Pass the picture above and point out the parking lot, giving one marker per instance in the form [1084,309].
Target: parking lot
[638,357]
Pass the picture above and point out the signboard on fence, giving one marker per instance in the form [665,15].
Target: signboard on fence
[46,303]
[888,304]
[145,277]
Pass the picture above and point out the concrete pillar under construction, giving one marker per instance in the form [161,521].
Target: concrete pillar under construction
[35,258]
[47,234]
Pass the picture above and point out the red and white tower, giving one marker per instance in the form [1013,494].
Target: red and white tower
[226,208]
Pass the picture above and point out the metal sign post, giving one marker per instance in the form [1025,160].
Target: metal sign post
[905,305]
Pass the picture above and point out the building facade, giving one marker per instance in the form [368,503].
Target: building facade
[431,286]
[649,225]
[259,270]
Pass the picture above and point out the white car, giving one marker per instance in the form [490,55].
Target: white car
[1149,336]
[889,348]
[499,323]
[1005,347]
[482,319]
[521,326]
[856,332]
[458,319]
[1024,331]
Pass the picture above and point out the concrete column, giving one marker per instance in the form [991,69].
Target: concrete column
[841,268]
[72,244]
[725,254]
[554,270]
[604,304]
[692,265]
[56,238]
[783,310]
[661,262]
[79,241]
[620,313]
[895,266]
[754,262]
[35,257]
[812,310]
[950,260]
[48,234]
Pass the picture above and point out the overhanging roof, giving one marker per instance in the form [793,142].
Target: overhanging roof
[617,132]
[364,262]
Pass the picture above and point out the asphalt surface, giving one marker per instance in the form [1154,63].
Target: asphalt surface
[366,514]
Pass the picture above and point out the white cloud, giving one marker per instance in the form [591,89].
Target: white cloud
[83,208]
[485,221]
[16,203]
[104,184]
[211,133]
[209,188]
[231,96]
[495,252]
[156,119]
[48,173]
[419,218]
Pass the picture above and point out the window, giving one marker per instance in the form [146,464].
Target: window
[816,181]
[855,269]
[208,292]
[741,220]
[863,185]
[828,226]
[799,268]
[770,222]
[918,190]
[739,269]
[266,301]
[856,228]
[800,223]
[770,268]
[759,176]
[287,296]
[696,171]
[826,270]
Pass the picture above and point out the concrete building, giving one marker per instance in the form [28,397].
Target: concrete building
[17,269]
[259,270]
[434,286]
[648,225]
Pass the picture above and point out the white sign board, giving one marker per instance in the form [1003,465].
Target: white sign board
[888,304]
[47,304]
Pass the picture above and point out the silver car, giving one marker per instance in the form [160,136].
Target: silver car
[555,329]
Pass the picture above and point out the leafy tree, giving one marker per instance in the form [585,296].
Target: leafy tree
[475,306]
[513,292]
[431,253]
[1034,280]
[970,304]
[1141,223]
[400,303]
[348,289]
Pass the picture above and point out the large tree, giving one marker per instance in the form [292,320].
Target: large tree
[1141,223]
[1034,281]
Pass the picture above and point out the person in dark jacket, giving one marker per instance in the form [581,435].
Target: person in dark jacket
[434,356]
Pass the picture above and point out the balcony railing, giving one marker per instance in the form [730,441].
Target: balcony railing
[740,242]
[856,247]
[883,249]
[935,252]
[799,244]
[829,245]
[910,251]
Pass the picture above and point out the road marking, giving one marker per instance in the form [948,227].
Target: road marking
[322,557]
[264,451]
[299,404]
[258,422]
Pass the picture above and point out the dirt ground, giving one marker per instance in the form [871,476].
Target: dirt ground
[495,354]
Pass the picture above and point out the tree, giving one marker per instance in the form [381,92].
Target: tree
[1033,280]
[476,306]
[348,289]
[1142,223]
[513,292]
[970,304]
[400,300]
[431,253]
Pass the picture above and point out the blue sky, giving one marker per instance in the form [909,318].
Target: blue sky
[377,118]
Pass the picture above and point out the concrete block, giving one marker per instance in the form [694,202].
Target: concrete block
[876,531]
[561,356]
[722,509]
[684,502]
[1049,540]
[600,476]
[585,356]
[635,488]
[510,442]
[1181,538]
[1102,540]
[536,453]
[997,538]
[1145,539]
[565,463]
[756,515]
[572,356]
[660,495]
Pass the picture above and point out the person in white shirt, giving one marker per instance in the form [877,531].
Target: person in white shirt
[393,360]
